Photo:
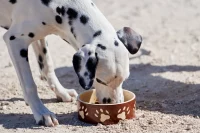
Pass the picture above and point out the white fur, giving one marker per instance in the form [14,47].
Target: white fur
[26,16]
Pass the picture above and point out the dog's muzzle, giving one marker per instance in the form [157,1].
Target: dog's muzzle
[85,85]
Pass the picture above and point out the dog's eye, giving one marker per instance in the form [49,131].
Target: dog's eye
[101,82]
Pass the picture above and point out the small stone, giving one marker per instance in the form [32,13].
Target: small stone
[126,128]
[6,103]
[140,115]
[4,107]
[150,122]
[75,129]
[188,128]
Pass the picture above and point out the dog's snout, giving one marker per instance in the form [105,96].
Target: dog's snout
[86,84]
[87,87]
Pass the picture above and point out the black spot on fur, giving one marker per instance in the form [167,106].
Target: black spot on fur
[92,4]
[58,10]
[72,30]
[31,35]
[70,22]
[77,63]
[58,19]
[24,53]
[84,19]
[104,100]
[89,53]
[96,55]
[44,50]
[72,13]
[46,2]
[101,46]
[13,1]
[40,58]
[61,10]
[86,74]
[43,23]
[41,65]
[83,45]
[12,38]
[116,43]
[108,100]
[22,34]
[91,66]
[98,33]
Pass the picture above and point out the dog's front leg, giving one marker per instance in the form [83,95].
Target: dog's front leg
[17,41]
[47,71]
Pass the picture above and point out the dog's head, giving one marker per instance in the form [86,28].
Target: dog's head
[105,64]
[85,63]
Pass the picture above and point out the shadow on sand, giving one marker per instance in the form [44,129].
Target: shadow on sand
[154,93]
[13,121]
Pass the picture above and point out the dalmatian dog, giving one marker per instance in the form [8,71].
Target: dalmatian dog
[102,58]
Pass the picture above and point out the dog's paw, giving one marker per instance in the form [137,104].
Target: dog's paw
[46,119]
[72,93]
[67,95]
[102,115]
[42,115]
[123,112]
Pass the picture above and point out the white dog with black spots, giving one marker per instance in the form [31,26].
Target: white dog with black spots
[102,58]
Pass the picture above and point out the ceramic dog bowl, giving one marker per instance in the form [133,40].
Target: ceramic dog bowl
[105,113]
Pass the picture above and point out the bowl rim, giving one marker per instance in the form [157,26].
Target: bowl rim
[133,98]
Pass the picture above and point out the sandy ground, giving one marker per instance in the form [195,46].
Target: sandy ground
[165,74]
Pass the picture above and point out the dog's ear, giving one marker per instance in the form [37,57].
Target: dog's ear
[85,62]
[130,39]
